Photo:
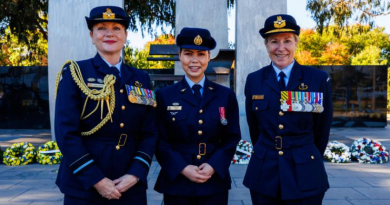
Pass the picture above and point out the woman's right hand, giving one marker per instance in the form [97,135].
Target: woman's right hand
[106,188]
[192,173]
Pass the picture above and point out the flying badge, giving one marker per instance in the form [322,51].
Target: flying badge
[99,80]
[223,116]
[91,80]
[174,113]
[95,85]
[174,108]
[257,97]
[138,84]
[175,103]
[303,87]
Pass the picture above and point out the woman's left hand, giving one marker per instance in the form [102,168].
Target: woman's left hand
[125,182]
[206,170]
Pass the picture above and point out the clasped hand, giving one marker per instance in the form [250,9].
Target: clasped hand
[198,174]
[112,189]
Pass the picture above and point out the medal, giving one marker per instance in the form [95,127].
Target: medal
[222,116]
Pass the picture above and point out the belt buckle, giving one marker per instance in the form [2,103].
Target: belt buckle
[200,153]
[281,142]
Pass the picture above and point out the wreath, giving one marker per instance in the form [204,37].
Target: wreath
[243,152]
[369,151]
[19,154]
[1,154]
[337,152]
[49,153]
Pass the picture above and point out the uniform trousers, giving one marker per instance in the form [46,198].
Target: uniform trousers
[261,199]
[215,199]
[140,199]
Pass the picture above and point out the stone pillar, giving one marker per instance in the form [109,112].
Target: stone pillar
[211,15]
[69,37]
[251,53]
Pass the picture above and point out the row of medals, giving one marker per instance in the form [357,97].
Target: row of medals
[134,98]
[300,106]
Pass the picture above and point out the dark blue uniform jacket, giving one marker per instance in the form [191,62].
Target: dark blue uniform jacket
[88,159]
[181,131]
[297,169]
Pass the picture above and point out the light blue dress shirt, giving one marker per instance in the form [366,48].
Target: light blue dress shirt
[201,83]
[286,70]
[118,65]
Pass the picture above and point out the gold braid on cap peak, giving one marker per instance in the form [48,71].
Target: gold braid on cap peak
[106,94]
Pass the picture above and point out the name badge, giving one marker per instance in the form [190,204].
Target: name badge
[95,85]
[257,97]
[174,108]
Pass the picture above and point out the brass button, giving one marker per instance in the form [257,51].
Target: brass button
[200,122]
[312,157]
[281,113]
[200,111]
[121,125]
[280,153]
[281,127]
[123,107]
[256,108]
[200,132]
[173,119]
[121,90]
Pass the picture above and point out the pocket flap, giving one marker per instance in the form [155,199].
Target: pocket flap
[303,154]
[259,105]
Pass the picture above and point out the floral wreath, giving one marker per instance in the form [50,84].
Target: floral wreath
[49,153]
[243,152]
[1,154]
[337,152]
[19,154]
[369,151]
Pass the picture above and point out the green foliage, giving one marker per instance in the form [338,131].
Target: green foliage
[339,12]
[138,58]
[357,45]
[32,52]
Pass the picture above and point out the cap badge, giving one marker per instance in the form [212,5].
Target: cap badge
[198,40]
[108,14]
[279,23]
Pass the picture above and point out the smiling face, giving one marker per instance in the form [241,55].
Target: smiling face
[194,63]
[281,48]
[108,37]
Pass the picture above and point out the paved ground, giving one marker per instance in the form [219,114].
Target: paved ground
[351,184]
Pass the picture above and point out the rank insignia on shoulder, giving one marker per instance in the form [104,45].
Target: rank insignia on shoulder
[257,97]
[211,88]
[183,90]
[141,96]
[138,84]
[95,85]
[303,87]
[174,108]
[296,101]
[91,80]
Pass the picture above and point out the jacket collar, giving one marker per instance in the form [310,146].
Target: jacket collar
[187,94]
[293,82]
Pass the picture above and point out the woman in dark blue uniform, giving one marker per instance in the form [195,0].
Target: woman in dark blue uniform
[105,120]
[289,112]
[198,129]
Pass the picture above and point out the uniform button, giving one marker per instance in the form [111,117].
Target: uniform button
[281,127]
[280,153]
[200,111]
[173,119]
[200,132]
[256,108]
[121,90]
[312,157]
[281,113]
[200,122]
[122,125]
[123,107]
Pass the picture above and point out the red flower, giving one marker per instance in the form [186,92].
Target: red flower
[370,157]
[243,141]
[361,154]
[247,155]
[380,149]
[359,147]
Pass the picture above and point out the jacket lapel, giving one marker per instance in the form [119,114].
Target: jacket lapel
[208,93]
[295,77]
[125,74]
[271,80]
[186,93]
[103,67]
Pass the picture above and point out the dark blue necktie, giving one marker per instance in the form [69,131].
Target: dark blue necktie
[116,73]
[196,88]
[282,83]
